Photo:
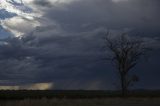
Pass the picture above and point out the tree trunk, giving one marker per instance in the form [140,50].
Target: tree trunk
[123,84]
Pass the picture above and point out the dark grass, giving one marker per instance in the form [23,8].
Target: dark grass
[84,102]
[74,94]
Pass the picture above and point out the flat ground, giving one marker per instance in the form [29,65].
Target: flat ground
[84,102]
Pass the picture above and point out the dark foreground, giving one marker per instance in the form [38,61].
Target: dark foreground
[73,94]
[84,102]
[79,98]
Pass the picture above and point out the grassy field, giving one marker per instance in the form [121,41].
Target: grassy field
[84,102]
[78,98]
[72,94]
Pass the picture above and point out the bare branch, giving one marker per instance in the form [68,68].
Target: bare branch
[126,53]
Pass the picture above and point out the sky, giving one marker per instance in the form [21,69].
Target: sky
[60,42]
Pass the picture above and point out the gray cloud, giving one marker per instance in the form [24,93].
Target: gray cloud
[45,3]
[132,14]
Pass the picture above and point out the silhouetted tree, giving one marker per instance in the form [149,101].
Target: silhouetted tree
[125,54]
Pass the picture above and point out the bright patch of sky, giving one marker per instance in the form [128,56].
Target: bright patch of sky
[26,12]
[35,86]
[23,16]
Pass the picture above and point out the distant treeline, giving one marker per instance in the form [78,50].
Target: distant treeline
[72,94]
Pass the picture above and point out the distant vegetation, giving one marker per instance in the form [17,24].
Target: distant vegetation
[72,94]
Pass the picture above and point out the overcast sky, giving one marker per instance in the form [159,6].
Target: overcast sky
[61,42]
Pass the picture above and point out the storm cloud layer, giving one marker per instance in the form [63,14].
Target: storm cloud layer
[62,42]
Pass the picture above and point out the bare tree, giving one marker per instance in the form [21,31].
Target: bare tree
[125,54]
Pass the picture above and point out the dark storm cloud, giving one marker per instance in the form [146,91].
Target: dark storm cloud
[54,58]
[81,15]
[17,61]
[69,52]
[45,3]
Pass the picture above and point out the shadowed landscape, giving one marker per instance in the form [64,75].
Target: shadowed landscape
[85,102]
[75,94]
[79,97]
